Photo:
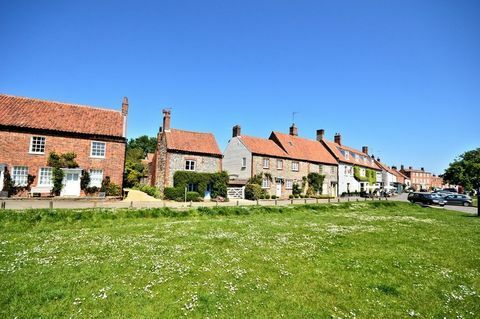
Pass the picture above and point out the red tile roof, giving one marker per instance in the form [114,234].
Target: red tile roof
[400,176]
[385,167]
[336,149]
[304,149]
[192,142]
[262,146]
[57,116]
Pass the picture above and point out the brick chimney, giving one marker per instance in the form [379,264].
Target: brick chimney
[166,120]
[365,149]
[338,139]
[320,134]
[125,106]
[236,131]
[293,130]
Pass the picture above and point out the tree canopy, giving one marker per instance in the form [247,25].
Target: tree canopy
[465,170]
[137,149]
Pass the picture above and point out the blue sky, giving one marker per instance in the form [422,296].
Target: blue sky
[402,77]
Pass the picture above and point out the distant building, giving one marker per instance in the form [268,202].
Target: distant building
[179,150]
[419,178]
[436,181]
[403,181]
[389,177]
[31,128]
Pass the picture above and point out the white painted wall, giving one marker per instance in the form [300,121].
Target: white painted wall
[232,159]
[346,179]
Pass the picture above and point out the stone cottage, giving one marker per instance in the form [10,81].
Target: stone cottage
[282,159]
[180,150]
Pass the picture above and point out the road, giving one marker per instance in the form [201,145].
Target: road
[85,203]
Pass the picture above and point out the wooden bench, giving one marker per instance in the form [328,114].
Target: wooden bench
[39,190]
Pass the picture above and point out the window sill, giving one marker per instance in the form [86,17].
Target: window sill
[36,153]
[98,157]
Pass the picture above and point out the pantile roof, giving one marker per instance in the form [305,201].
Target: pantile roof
[304,149]
[25,112]
[193,142]
[362,159]
[263,146]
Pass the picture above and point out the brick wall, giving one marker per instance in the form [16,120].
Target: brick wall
[15,147]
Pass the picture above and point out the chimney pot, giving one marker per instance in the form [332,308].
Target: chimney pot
[293,130]
[365,149]
[410,167]
[422,169]
[125,106]
[378,159]
[338,139]
[320,135]
[166,120]
[394,167]
[402,167]
[236,131]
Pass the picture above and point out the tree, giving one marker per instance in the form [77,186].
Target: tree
[137,149]
[465,170]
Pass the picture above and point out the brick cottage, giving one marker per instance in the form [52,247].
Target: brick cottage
[31,128]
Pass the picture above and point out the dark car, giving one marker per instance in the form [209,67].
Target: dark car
[458,199]
[426,198]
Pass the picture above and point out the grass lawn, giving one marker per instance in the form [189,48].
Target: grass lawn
[352,260]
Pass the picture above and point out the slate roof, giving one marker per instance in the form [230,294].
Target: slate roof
[25,112]
[192,142]
[304,149]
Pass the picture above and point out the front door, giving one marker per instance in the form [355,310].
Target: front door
[71,183]
[208,192]
[279,188]
[1,178]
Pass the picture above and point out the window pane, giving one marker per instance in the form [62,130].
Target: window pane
[96,177]
[45,176]
[20,175]
[37,144]
[98,149]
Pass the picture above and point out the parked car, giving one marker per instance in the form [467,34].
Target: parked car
[458,199]
[444,193]
[426,198]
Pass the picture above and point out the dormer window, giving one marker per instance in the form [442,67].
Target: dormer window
[347,154]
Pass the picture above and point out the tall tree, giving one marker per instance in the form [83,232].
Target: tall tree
[465,170]
[137,149]
[146,143]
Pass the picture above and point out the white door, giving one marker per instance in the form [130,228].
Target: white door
[279,188]
[71,184]
[1,180]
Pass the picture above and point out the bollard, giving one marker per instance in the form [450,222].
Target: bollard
[329,200]
[216,203]
[131,203]
[291,201]
[3,205]
[339,199]
[305,200]
[191,204]
[50,204]
[317,200]
[357,199]
[365,199]
[275,202]
[238,203]
[257,202]
[164,204]
[348,199]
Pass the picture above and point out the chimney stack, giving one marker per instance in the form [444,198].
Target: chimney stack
[402,167]
[338,139]
[365,149]
[236,131]
[293,130]
[320,135]
[166,120]
[125,106]
[394,167]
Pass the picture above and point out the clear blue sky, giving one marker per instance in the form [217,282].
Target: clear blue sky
[402,77]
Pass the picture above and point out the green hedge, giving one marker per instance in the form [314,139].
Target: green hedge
[174,193]
[150,190]
[254,192]
[218,181]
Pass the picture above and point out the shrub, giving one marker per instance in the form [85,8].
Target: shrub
[217,181]
[174,193]
[113,190]
[296,196]
[290,196]
[254,192]
[193,197]
[274,196]
[267,196]
[91,190]
[150,190]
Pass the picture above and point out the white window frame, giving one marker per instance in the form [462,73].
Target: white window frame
[279,164]
[244,162]
[95,182]
[42,175]
[31,148]
[190,165]
[347,155]
[266,163]
[295,166]
[92,149]
[265,183]
[23,178]
[289,184]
